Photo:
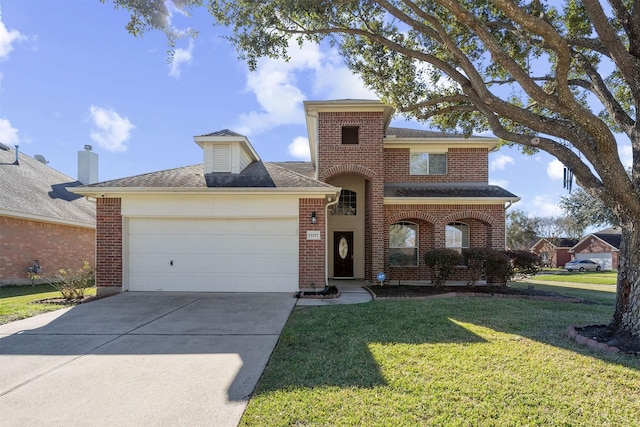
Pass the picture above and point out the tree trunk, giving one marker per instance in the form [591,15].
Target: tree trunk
[626,318]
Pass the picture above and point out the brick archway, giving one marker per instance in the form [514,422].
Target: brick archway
[469,214]
[400,216]
[346,169]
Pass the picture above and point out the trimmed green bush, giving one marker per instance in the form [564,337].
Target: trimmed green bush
[441,263]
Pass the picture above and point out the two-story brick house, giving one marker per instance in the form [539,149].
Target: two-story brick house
[372,199]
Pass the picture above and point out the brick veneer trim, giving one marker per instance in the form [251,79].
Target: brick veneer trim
[109,245]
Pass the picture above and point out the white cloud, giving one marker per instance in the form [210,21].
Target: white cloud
[501,161]
[181,57]
[112,130]
[299,148]
[555,169]
[8,134]
[544,206]
[280,95]
[7,39]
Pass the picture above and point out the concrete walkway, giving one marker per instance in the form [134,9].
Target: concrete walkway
[139,359]
[351,292]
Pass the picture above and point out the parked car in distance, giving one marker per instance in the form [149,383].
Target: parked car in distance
[582,265]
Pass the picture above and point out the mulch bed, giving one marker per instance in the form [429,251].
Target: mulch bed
[409,291]
[328,292]
[598,337]
[64,301]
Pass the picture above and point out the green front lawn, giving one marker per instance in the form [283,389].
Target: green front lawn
[447,362]
[588,277]
[17,302]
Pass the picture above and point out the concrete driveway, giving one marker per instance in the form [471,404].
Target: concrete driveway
[133,359]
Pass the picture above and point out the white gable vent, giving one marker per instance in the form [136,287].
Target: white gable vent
[221,158]
[226,152]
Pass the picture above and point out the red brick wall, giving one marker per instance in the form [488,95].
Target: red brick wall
[55,246]
[486,229]
[364,159]
[311,256]
[463,165]
[109,245]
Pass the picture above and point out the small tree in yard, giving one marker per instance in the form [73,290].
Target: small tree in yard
[441,263]
[72,284]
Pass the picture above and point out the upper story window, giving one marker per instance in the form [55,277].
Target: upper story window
[427,164]
[403,244]
[350,134]
[347,203]
[457,235]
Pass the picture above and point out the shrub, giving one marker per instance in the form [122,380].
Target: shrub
[498,267]
[524,263]
[476,263]
[441,263]
[72,283]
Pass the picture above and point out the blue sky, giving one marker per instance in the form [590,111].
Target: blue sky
[71,75]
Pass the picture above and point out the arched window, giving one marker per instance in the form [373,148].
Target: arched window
[403,244]
[347,203]
[457,235]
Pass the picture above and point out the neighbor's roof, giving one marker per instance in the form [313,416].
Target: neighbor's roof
[36,191]
[257,175]
[559,242]
[463,190]
[612,235]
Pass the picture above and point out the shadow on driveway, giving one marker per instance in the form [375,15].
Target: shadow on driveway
[140,358]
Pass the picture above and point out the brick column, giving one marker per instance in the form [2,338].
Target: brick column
[108,246]
[311,253]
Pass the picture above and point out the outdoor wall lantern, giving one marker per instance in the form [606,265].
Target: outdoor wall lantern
[314,218]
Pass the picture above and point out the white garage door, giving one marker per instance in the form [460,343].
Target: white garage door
[602,258]
[221,255]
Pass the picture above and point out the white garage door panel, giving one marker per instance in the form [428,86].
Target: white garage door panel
[602,258]
[221,255]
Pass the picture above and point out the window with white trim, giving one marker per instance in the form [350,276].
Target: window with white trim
[403,244]
[457,235]
[427,164]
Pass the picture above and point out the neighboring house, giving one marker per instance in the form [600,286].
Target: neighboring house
[554,251]
[602,247]
[372,199]
[40,220]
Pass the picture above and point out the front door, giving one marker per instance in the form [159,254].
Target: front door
[343,254]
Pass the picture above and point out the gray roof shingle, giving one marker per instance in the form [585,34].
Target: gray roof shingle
[224,132]
[446,190]
[33,188]
[257,175]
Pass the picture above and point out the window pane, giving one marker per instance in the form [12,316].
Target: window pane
[403,242]
[402,235]
[437,164]
[419,164]
[403,256]
[457,235]
[347,203]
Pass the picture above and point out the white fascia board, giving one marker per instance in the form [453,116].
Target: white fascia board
[47,219]
[350,105]
[448,200]
[416,144]
[118,192]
